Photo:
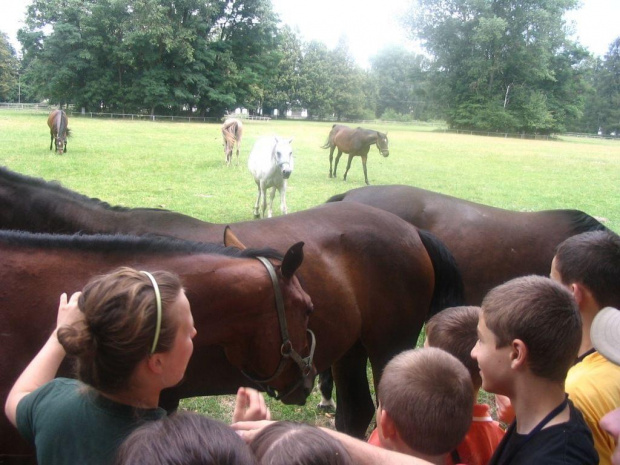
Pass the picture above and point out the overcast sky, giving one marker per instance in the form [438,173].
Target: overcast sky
[370,25]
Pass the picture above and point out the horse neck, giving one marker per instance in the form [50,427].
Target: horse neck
[62,124]
[371,136]
[228,305]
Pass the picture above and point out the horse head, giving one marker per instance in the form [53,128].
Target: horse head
[61,143]
[287,348]
[382,143]
[283,155]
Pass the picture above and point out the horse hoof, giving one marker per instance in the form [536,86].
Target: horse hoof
[330,407]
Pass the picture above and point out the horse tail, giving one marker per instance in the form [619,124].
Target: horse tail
[449,289]
[337,198]
[328,142]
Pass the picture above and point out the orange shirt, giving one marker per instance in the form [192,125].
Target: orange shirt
[481,440]
[479,443]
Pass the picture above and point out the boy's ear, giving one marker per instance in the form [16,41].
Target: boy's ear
[388,429]
[518,354]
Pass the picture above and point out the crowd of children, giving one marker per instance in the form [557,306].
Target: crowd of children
[549,348]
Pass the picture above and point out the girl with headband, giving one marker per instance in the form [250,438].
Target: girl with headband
[131,335]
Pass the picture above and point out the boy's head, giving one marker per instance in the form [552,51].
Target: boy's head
[591,259]
[425,402]
[454,330]
[536,311]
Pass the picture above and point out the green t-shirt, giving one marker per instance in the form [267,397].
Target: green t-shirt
[70,423]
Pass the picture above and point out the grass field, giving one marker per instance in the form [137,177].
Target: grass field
[180,166]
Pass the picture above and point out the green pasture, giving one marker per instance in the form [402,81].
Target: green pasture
[180,166]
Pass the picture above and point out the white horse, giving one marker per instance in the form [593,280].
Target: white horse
[271,164]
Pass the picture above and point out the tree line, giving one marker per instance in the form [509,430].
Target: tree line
[505,65]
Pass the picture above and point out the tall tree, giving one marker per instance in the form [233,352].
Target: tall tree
[499,61]
[282,92]
[9,67]
[608,89]
[402,82]
[315,83]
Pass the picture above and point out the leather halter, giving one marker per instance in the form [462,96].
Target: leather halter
[286,349]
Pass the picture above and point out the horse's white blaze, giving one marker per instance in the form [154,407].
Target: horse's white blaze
[271,164]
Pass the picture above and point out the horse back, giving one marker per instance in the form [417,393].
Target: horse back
[491,245]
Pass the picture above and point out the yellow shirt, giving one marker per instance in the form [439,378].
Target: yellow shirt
[594,387]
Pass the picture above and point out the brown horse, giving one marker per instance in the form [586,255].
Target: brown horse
[355,142]
[58,123]
[232,296]
[371,277]
[490,245]
[232,132]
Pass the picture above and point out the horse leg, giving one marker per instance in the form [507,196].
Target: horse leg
[348,166]
[337,160]
[364,158]
[326,386]
[65,148]
[331,157]
[272,194]
[283,208]
[355,407]
[256,213]
[51,139]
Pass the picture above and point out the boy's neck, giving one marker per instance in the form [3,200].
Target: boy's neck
[586,324]
[534,401]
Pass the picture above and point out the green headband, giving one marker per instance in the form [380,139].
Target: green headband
[158,299]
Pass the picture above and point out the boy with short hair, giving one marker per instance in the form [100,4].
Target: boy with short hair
[425,404]
[425,407]
[588,264]
[529,334]
[455,331]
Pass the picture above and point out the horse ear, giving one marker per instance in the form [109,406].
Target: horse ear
[292,260]
[290,141]
[230,240]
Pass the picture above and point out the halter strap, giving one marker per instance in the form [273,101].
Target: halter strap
[158,300]
[286,349]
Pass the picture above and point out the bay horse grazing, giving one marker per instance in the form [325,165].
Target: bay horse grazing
[232,133]
[271,164]
[491,245]
[233,298]
[372,277]
[58,123]
[355,142]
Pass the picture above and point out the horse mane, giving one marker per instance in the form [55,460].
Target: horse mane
[581,222]
[149,243]
[336,198]
[55,186]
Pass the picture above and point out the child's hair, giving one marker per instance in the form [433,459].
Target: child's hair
[592,259]
[120,318]
[429,396]
[288,443]
[455,331]
[541,313]
[184,438]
